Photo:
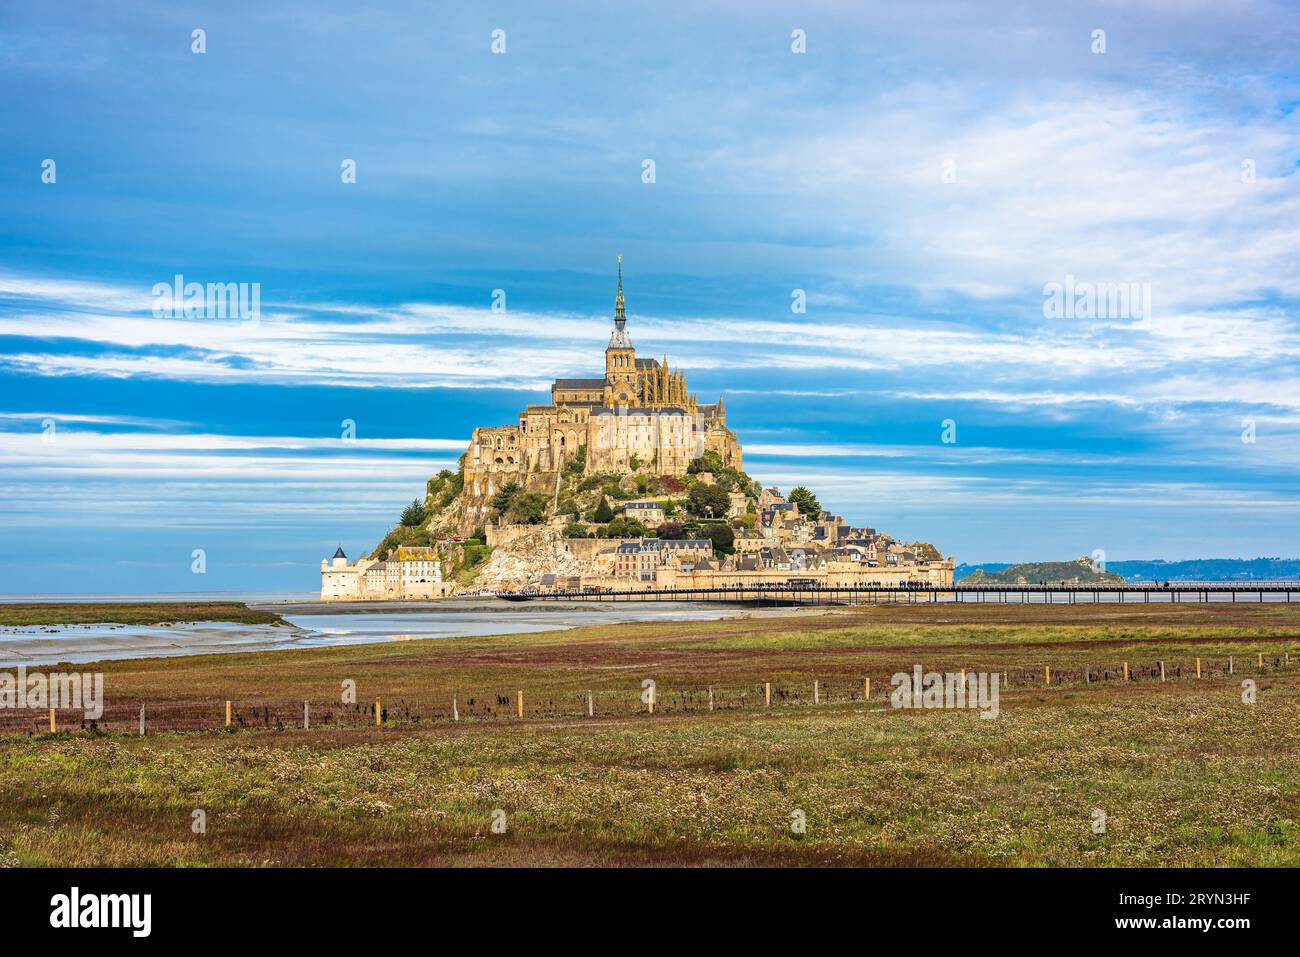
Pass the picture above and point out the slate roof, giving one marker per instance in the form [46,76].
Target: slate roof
[578,384]
[639,410]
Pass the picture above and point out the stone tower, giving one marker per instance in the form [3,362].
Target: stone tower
[620,357]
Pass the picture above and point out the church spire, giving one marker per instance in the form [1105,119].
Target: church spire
[619,339]
[620,317]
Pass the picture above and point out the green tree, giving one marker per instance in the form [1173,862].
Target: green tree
[722,537]
[709,461]
[707,501]
[527,508]
[603,512]
[670,530]
[576,530]
[806,500]
[413,514]
[501,501]
[576,465]
[624,527]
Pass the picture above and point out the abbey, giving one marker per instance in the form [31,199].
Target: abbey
[639,415]
[624,482]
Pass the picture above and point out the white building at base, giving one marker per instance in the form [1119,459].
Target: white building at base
[412,572]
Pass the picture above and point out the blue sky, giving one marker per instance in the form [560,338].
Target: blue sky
[921,172]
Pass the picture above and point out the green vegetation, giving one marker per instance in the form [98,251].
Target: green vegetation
[624,527]
[464,559]
[707,501]
[718,532]
[133,613]
[444,487]
[1080,571]
[1187,774]
[725,477]
[670,530]
[603,512]
[527,508]
[501,501]
[414,514]
[406,536]
[576,465]
[805,500]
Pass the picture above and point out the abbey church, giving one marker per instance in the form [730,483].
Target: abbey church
[584,493]
[639,416]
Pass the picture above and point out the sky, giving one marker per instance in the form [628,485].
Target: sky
[923,177]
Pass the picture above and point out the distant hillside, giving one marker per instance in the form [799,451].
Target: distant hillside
[1079,571]
[1196,569]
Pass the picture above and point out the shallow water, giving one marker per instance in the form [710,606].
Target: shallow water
[78,644]
[405,626]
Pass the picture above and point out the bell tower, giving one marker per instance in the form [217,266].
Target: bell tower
[620,358]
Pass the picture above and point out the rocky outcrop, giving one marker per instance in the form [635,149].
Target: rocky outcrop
[532,552]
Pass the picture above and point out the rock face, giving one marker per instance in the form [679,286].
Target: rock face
[533,552]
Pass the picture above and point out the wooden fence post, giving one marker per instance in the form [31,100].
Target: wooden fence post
[1229,664]
[1162,671]
[817,699]
[866,688]
[521,702]
[767,694]
[1126,671]
[142,720]
[306,717]
[227,714]
[1260,662]
[455,709]
[1047,673]
[51,721]
[650,700]
[591,705]
[710,698]
[378,714]
[1198,667]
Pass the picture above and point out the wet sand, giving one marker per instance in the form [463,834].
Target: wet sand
[320,624]
[78,644]
[487,605]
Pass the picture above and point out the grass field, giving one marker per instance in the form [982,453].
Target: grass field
[131,613]
[1184,771]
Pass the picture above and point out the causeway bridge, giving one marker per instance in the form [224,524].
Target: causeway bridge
[1042,593]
